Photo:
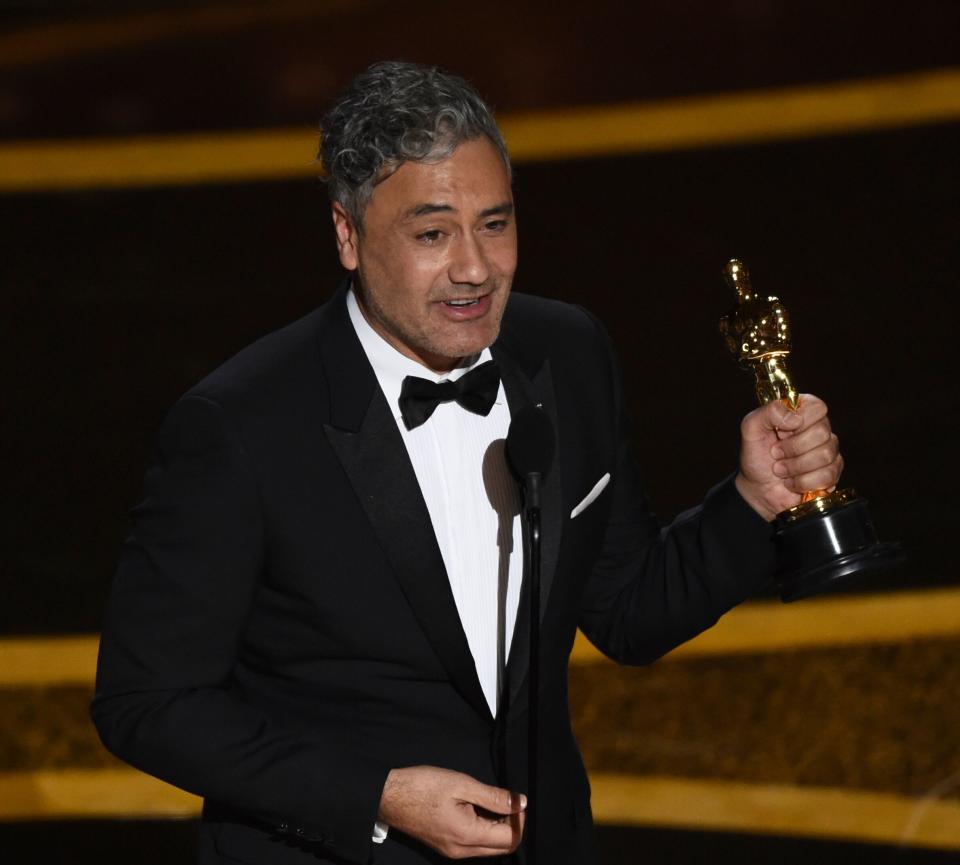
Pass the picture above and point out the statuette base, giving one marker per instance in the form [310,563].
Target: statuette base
[825,549]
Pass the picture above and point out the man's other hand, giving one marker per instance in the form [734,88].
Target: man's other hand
[451,812]
[785,453]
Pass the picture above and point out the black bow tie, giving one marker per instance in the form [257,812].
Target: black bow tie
[476,391]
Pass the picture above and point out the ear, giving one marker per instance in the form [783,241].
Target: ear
[346,234]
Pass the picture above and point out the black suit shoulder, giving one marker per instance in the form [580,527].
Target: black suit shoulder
[544,322]
[279,365]
[265,401]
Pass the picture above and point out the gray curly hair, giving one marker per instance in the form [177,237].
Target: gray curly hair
[392,113]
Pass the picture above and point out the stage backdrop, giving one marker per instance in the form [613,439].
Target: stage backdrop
[160,210]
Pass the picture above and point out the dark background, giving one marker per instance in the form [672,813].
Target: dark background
[120,300]
[116,301]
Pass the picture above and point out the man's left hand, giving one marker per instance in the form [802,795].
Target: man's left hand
[785,453]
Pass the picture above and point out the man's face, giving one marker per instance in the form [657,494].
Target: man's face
[436,257]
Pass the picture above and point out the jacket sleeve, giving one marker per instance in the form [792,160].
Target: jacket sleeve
[652,589]
[187,577]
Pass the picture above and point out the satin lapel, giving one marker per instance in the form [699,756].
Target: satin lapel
[522,389]
[365,438]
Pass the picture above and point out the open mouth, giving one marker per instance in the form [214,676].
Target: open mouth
[467,308]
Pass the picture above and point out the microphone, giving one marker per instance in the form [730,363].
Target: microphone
[530,447]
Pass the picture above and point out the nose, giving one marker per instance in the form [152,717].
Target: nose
[468,266]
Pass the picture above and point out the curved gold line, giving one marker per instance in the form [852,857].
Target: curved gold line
[49,794]
[54,42]
[42,661]
[720,120]
[769,626]
[752,627]
[618,799]
[174,160]
[738,118]
[776,809]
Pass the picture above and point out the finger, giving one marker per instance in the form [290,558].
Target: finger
[453,850]
[801,442]
[772,417]
[809,461]
[811,409]
[822,479]
[840,464]
[514,824]
[517,822]
[489,815]
[488,834]
[494,799]
[471,852]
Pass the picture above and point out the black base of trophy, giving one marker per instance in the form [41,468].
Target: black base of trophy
[829,549]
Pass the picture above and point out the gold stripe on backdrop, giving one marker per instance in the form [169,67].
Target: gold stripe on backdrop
[760,626]
[48,660]
[59,41]
[818,623]
[737,118]
[773,809]
[773,114]
[823,812]
[171,160]
[56,794]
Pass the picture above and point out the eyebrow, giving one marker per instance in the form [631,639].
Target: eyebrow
[426,210]
[504,208]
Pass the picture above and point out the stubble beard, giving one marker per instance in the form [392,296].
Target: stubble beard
[431,345]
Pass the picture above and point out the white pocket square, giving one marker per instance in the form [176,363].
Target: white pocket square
[598,488]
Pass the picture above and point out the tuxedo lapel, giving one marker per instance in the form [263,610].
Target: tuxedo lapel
[364,435]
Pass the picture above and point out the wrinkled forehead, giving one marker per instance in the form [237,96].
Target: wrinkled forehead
[472,178]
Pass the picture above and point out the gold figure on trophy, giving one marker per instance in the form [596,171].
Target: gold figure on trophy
[828,536]
[758,335]
[757,332]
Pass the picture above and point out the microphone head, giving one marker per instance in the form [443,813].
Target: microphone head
[530,442]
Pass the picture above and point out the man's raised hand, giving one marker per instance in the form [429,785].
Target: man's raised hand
[453,813]
[785,453]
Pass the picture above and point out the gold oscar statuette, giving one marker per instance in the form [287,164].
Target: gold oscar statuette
[828,539]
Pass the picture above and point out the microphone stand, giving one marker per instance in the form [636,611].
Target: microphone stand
[530,446]
[531,549]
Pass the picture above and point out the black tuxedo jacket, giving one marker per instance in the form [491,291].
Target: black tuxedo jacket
[281,632]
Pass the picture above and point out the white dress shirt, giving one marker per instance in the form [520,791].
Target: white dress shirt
[473,501]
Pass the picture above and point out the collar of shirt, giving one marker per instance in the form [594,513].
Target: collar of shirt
[392,367]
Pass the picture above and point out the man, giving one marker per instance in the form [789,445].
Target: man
[318,619]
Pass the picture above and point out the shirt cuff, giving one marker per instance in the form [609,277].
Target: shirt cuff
[379,832]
